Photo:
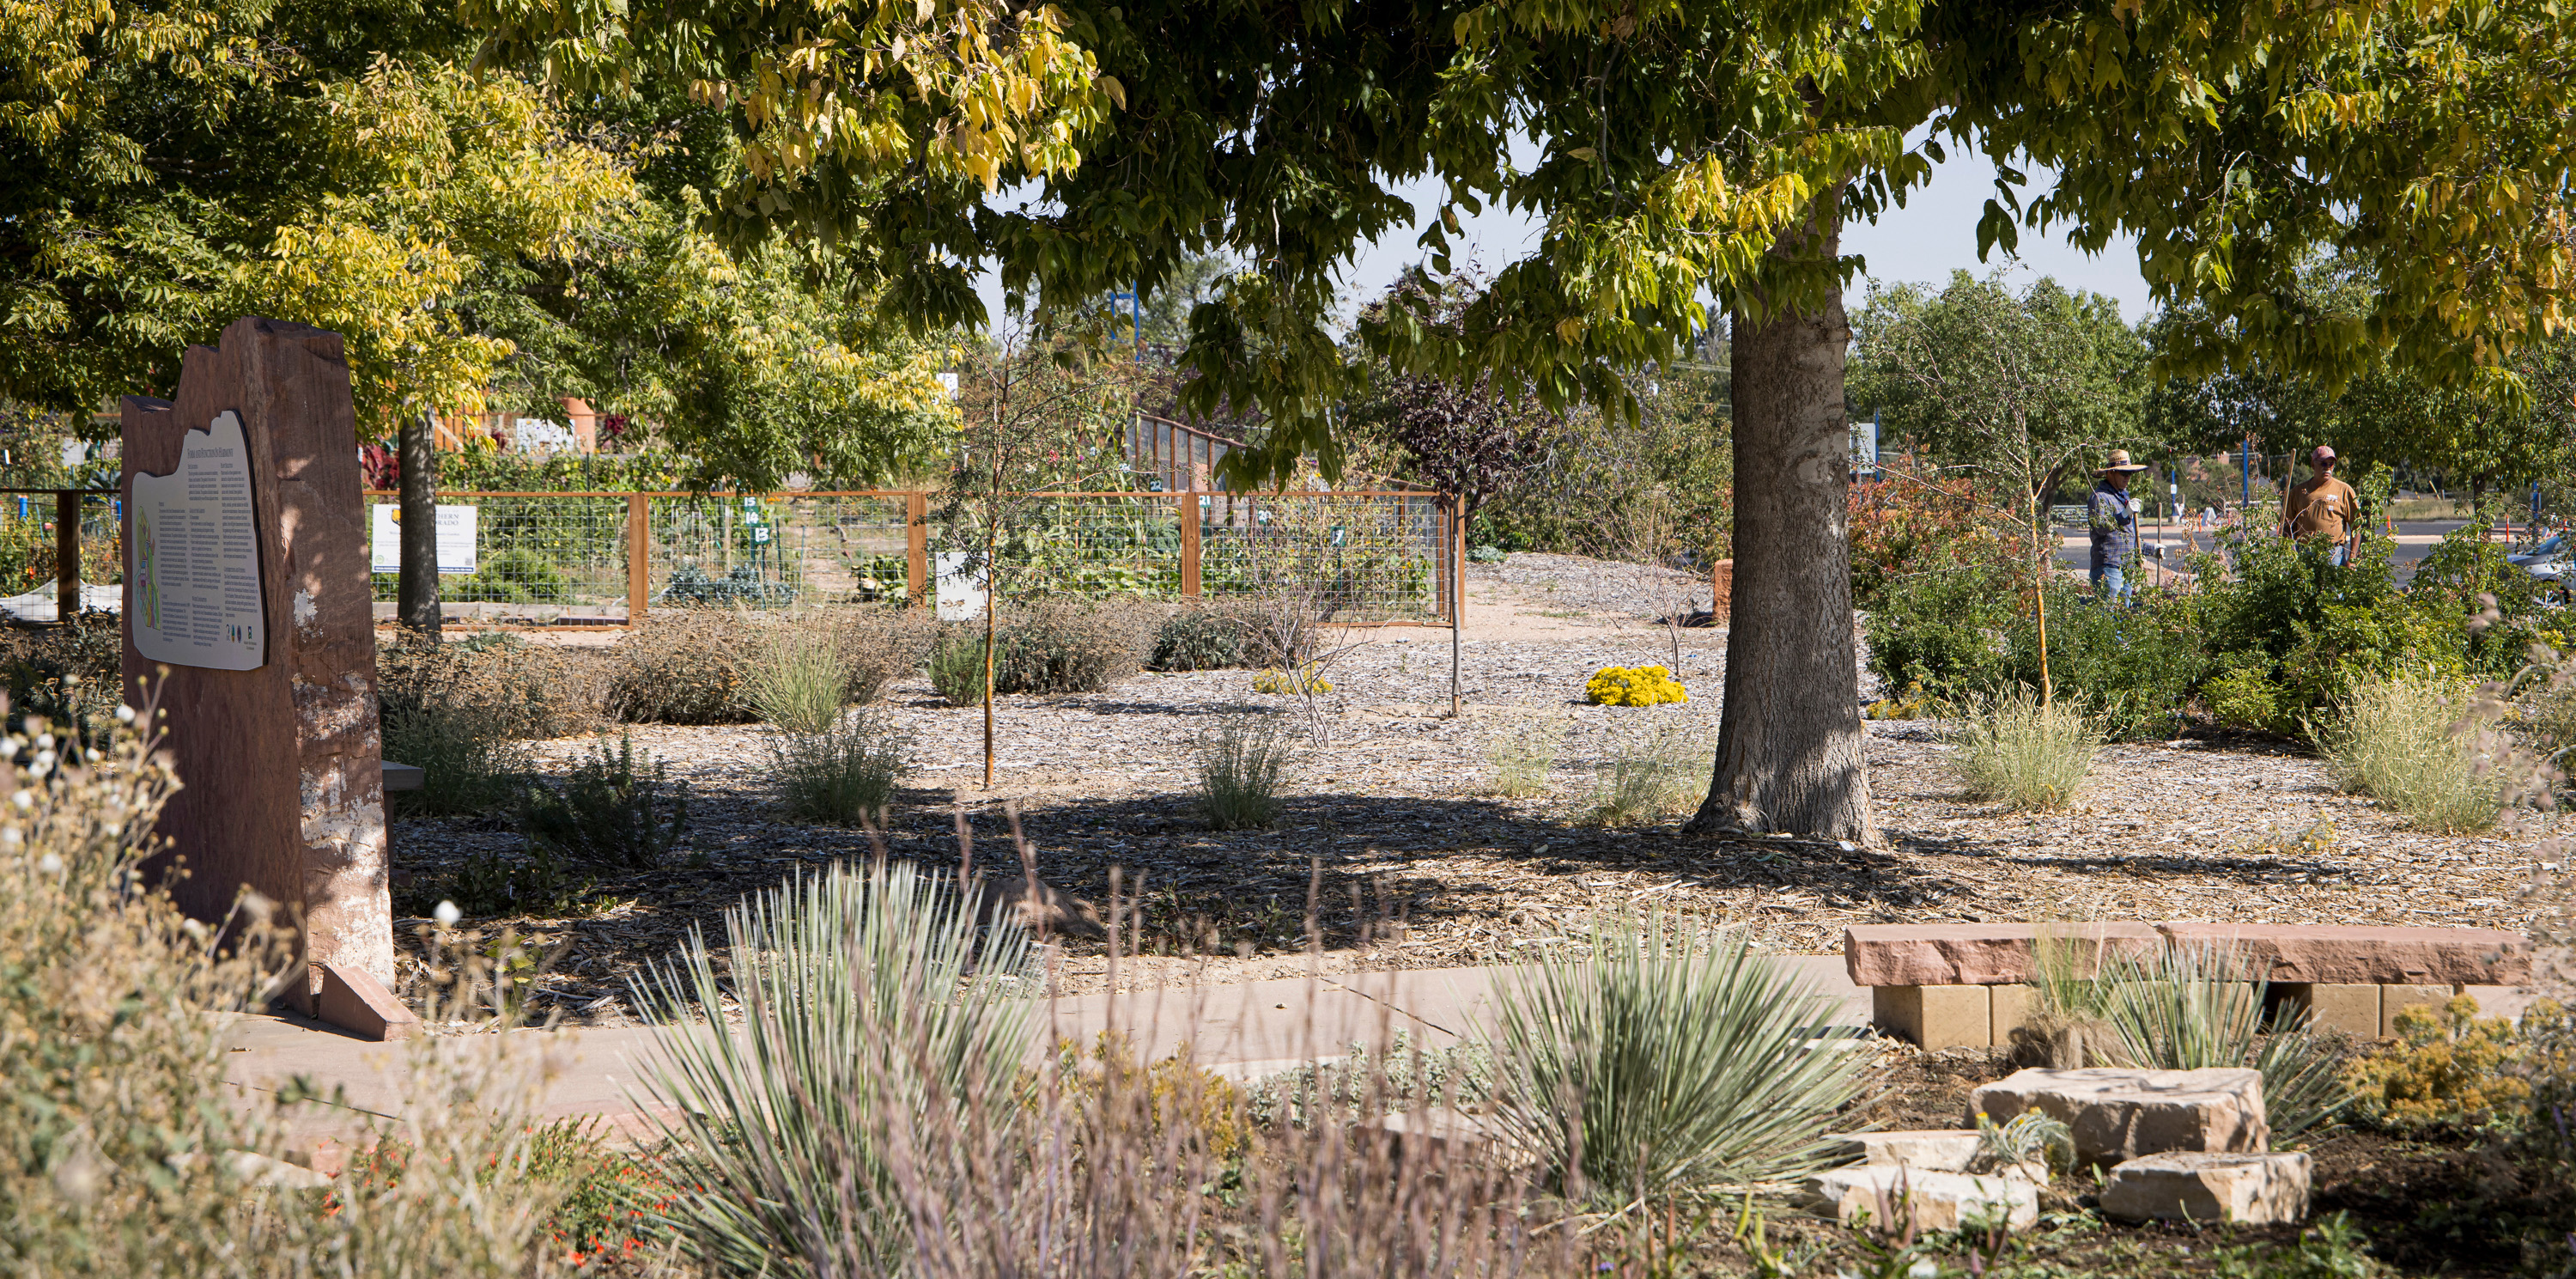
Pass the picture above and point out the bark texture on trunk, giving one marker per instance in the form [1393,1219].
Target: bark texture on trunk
[416,590]
[1789,733]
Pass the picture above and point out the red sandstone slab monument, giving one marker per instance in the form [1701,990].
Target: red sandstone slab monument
[247,625]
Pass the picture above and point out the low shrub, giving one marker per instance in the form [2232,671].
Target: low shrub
[1661,1060]
[1240,763]
[514,576]
[845,774]
[490,885]
[1199,639]
[955,665]
[797,681]
[1645,782]
[468,764]
[1633,686]
[685,666]
[523,689]
[2033,757]
[71,676]
[2408,743]
[1302,681]
[881,645]
[1046,648]
[614,809]
[2450,1069]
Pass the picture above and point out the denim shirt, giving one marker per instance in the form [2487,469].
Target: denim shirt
[2115,528]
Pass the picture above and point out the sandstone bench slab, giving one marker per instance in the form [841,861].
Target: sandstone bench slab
[1889,1193]
[2249,1189]
[2338,955]
[1974,954]
[2118,1115]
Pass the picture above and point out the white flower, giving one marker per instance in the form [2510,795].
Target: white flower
[447,914]
[50,863]
[9,836]
[111,829]
[124,714]
[24,799]
[9,748]
[44,741]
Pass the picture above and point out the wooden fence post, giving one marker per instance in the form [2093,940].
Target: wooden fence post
[1189,507]
[639,556]
[916,530]
[67,551]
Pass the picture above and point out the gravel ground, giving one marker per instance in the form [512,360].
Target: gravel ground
[1407,861]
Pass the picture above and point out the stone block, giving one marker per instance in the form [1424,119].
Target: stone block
[1930,1149]
[2340,955]
[1976,954]
[2396,999]
[353,1000]
[2348,1007]
[1934,1017]
[2012,1009]
[1887,1195]
[2248,1189]
[2121,1114]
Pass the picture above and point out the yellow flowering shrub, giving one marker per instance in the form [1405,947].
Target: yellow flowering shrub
[1304,679]
[2450,1068]
[1634,686]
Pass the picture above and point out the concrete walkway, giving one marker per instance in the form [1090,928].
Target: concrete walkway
[1243,1031]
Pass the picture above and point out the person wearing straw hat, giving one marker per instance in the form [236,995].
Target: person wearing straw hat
[2324,509]
[2114,518]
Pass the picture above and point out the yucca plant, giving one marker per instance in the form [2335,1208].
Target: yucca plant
[870,1002]
[1668,1059]
[2190,1007]
[2030,755]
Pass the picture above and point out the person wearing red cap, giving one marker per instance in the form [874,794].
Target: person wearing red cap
[2324,509]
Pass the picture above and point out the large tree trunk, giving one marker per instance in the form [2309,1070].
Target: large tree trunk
[416,590]
[1789,735]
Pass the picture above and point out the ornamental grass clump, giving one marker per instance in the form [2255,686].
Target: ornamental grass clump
[798,682]
[845,774]
[1664,1059]
[1641,783]
[1524,757]
[1241,762]
[2031,755]
[1634,686]
[2410,744]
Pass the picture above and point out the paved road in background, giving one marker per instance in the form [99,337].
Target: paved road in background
[2415,540]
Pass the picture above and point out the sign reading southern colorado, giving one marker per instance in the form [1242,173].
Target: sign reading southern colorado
[194,551]
[455,538]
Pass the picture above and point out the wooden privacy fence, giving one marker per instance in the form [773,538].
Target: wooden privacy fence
[607,559]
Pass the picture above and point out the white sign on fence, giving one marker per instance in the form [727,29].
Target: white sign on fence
[960,593]
[456,540]
[194,554]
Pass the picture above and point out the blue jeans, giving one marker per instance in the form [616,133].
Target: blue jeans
[2109,583]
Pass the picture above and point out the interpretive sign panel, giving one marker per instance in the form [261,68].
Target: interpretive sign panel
[456,538]
[195,557]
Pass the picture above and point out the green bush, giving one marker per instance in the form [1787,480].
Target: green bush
[468,763]
[1240,764]
[688,666]
[1198,639]
[1047,648]
[489,885]
[955,666]
[845,774]
[615,809]
[510,577]
[1660,1060]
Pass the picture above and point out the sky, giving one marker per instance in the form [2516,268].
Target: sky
[1935,234]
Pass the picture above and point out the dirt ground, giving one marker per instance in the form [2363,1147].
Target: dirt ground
[1402,856]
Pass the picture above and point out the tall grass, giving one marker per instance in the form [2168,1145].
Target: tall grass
[2028,755]
[870,1005]
[2189,1007]
[846,773]
[1667,1060]
[2409,743]
[1524,758]
[799,681]
[1241,762]
[1645,782]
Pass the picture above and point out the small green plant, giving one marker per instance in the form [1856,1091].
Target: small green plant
[1663,1059]
[799,683]
[1645,782]
[2449,1069]
[466,765]
[489,885]
[2189,1007]
[2331,1249]
[2033,1140]
[616,808]
[2407,742]
[2029,755]
[955,666]
[845,774]
[1524,757]
[1240,764]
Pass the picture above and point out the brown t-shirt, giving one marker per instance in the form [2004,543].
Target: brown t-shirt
[2321,509]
